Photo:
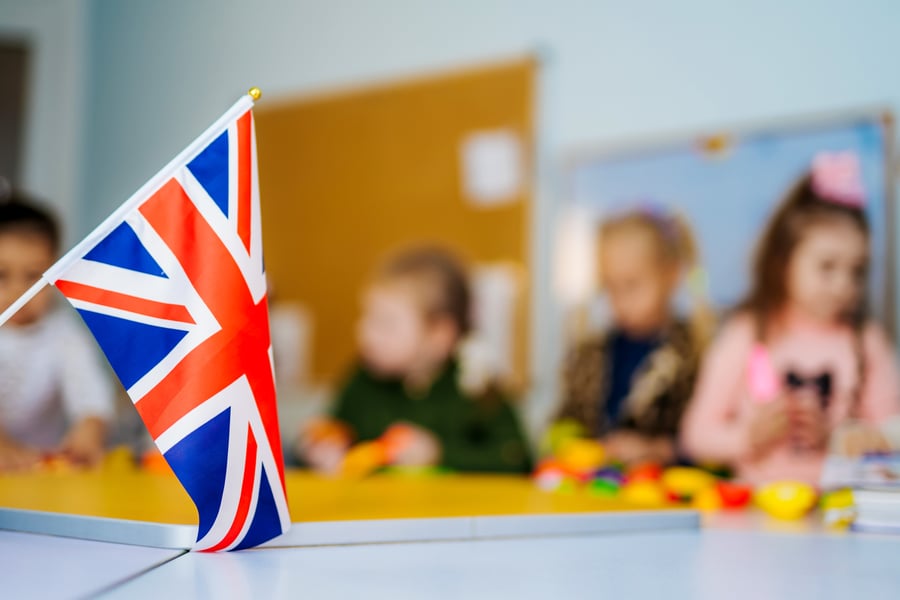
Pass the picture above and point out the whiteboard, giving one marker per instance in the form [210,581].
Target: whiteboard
[728,194]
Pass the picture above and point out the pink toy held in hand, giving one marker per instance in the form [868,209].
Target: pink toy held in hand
[761,375]
[837,177]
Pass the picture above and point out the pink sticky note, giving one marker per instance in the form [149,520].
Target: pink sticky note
[763,380]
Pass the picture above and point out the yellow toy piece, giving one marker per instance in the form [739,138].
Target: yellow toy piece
[644,493]
[707,499]
[582,456]
[787,500]
[560,432]
[363,459]
[687,482]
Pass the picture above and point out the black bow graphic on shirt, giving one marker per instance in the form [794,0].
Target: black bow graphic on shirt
[822,383]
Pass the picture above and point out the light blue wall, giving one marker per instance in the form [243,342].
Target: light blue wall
[163,70]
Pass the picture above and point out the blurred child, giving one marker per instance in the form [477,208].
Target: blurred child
[628,386]
[416,311]
[799,362]
[54,395]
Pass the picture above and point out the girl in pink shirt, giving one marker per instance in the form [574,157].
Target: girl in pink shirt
[799,365]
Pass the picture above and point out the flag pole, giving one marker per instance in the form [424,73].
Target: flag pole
[23,300]
[50,275]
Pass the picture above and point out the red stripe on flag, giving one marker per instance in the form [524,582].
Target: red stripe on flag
[244,204]
[241,347]
[141,306]
[243,508]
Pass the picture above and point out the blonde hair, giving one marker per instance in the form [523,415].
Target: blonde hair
[676,247]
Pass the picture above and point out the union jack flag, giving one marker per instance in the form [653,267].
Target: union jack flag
[173,288]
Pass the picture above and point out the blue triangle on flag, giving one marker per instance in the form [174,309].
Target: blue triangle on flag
[266,523]
[132,348]
[200,461]
[210,167]
[122,248]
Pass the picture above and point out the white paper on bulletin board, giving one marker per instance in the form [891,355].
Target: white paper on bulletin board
[492,169]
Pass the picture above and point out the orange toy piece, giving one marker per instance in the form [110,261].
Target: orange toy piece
[395,440]
[363,459]
[327,430]
[55,463]
[153,461]
[644,472]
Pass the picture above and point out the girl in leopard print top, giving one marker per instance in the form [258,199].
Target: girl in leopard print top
[628,385]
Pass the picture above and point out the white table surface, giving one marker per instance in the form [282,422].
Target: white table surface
[742,556]
[43,566]
[660,566]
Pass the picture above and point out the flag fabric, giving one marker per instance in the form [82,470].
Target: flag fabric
[173,288]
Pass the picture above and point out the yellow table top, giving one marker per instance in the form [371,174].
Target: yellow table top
[128,493]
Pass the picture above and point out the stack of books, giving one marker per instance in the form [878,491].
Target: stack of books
[875,481]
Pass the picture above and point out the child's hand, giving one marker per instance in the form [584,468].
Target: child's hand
[807,421]
[419,448]
[322,444]
[629,447]
[856,439]
[84,443]
[768,425]
[15,457]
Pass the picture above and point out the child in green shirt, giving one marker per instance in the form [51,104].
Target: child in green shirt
[416,311]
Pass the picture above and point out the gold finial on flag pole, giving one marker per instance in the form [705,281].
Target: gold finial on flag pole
[255,93]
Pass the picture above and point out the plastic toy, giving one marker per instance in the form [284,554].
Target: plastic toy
[367,457]
[550,475]
[582,456]
[603,487]
[707,500]
[321,430]
[763,380]
[395,440]
[686,482]
[55,463]
[643,472]
[610,473]
[788,500]
[363,459]
[559,432]
[644,493]
[734,495]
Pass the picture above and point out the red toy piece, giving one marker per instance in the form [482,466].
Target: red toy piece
[734,495]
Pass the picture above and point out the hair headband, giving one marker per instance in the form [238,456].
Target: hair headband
[836,177]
